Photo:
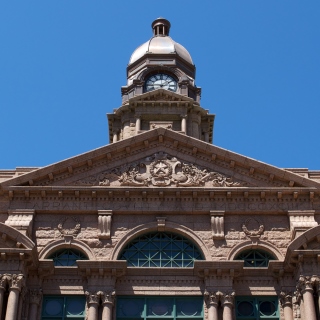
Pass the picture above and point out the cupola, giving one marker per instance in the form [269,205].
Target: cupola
[160,91]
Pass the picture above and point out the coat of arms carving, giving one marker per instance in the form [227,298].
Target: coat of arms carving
[160,170]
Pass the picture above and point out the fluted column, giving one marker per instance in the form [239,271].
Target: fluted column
[286,303]
[93,300]
[14,292]
[227,301]
[35,297]
[3,283]
[306,286]
[107,299]
[212,302]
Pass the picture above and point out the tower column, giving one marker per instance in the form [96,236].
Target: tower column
[184,124]
[93,300]
[227,301]
[107,304]
[115,136]
[13,300]
[138,124]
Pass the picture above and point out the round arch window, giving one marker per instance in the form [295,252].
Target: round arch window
[161,249]
[67,257]
[255,258]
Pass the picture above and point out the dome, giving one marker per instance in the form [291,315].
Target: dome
[161,43]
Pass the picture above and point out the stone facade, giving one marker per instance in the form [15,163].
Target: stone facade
[160,174]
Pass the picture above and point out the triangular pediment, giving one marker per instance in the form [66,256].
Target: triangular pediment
[161,158]
[161,95]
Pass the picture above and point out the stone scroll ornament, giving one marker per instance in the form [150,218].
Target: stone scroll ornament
[160,170]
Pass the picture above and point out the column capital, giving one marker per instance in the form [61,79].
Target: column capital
[306,283]
[92,297]
[285,299]
[227,298]
[212,298]
[35,296]
[107,297]
[16,282]
[4,280]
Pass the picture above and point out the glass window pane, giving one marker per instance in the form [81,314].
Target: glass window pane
[67,257]
[161,249]
[63,307]
[255,258]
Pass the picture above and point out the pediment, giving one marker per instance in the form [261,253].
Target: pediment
[161,158]
[161,95]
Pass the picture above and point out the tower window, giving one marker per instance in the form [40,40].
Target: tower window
[161,249]
[255,258]
[67,257]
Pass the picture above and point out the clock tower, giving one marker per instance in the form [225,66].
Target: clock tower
[161,91]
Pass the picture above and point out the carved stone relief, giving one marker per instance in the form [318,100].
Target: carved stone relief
[256,228]
[69,231]
[159,170]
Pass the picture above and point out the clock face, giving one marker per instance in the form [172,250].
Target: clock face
[161,81]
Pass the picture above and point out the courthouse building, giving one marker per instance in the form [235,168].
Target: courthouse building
[160,223]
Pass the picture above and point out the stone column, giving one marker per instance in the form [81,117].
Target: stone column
[305,285]
[107,299]
[212,301]
[13,300]
[184,124]
[93,300]
[227,301]
[206,136]
[138,124]
[35,297]
[3,283]
[115,136]
[286,303]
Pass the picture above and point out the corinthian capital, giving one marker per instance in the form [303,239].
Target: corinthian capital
[285,299]
[92,297]
[16,281]
[305,283]
[4,280]
[35,296]
[108,297]
[212,298]
[227,298]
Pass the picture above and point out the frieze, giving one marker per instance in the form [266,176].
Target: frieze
[160,170]
[122,203]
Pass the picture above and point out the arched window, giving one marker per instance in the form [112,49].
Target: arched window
[255,258]
[160,249]
[67,257]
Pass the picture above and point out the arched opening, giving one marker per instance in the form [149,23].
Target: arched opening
[67,257]
[255,258]
[161,249]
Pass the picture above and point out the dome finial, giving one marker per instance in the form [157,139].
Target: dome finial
[161,27]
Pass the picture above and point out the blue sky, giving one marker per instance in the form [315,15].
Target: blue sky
[62,64]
